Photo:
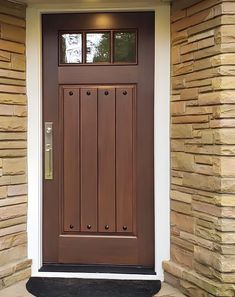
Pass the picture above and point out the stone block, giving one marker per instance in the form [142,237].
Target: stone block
[182,161]
[10,240]
[181,256]
[9,212]
[16,190]
[16,277]
[13,254]
[14,166]
[177,108]
[12,33]
[181,196]
[224,166]
[12,124]
[181,131]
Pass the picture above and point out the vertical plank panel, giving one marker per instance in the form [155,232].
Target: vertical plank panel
[89,159]
[106,147]
[124,159]
[71,185]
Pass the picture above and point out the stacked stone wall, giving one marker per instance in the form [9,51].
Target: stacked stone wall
[14,265]
[203,149]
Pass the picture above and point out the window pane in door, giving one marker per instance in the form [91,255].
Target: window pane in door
[71,48]
[125,47]
[97,47]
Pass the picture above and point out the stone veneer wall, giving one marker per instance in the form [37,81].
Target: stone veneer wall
[203,149]
[14,265]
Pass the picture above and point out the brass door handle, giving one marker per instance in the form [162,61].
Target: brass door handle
[48,155]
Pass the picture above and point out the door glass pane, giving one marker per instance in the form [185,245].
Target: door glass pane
[71,48]
[97,47]
[125,47]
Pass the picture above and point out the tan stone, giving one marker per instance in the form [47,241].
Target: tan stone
[224,111]
[6,109]
[183,222]
[224,166]
[190,119]
[18,62]
[3,192]
[13,153]
[12,124]
[13,201]
[181,207]
[207,160]
[217,97]
[225,34]
[12,46]
[13,222]
[10,240]
[189,94]
[13,33]
[173,268]
[182,243]
[16,277]
[224,83]
[13,9]
[181,256]
[20,111]
[177,145]
[13,136]
[12,254]
[222,123]
[16,190]
[177,108]
[14,166]
[12,98]
[211,286]
[224,136]
[8,19]
[199,181]
[182,161]
[181,131]
[9,212]
[181,196]
[18,179]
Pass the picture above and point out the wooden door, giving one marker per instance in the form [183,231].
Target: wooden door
[98,206]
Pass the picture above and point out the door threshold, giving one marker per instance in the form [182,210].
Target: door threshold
[74,268]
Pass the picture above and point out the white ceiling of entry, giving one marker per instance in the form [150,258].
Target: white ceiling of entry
[138,2]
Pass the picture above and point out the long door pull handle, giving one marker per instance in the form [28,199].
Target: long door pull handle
[48,158]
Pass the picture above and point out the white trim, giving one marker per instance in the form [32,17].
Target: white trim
[162,114]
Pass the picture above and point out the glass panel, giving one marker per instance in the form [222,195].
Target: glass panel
[125,47]
[97,47]
[71,48]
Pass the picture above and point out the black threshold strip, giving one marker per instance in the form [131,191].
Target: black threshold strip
[98,269]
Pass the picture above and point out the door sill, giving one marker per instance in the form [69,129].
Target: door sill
[98,269]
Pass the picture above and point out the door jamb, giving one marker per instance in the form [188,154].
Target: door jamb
[161,135]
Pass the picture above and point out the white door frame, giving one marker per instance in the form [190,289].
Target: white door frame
[161,126]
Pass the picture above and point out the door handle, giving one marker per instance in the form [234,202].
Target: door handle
[48,156]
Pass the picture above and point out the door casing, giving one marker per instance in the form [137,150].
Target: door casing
[162,94]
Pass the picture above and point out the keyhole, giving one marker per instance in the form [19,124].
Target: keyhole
[106,227]
[88,93]
[106,93]
[71,226]
[125,93]
[88,227]
[70,93]
[124,228]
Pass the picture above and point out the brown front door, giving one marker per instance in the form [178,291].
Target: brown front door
[98,205]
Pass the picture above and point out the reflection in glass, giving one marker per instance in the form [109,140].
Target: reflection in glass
[71,48]
[125,47]
[97,47]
